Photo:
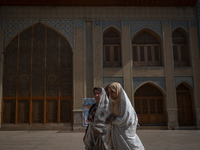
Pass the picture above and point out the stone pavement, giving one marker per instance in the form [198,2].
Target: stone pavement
[67,140]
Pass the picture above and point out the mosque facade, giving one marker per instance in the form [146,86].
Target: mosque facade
[52,57]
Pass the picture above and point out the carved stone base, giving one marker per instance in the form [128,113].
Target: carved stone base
[172,118]
[198,117]
[78,120]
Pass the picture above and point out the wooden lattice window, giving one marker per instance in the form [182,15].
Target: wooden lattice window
[146,50]
[180,48]
[111,48]
[37,79]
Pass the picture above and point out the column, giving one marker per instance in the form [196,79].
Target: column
[88,58]
[98,54]
[78,73]
[195,60]
[1,67]
[171,103]
[126,53]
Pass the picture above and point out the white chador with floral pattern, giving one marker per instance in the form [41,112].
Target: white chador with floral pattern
[123,131]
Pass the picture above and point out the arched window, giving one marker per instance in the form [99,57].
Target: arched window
[111,48]
[146,50]
[180,48]
[37,79]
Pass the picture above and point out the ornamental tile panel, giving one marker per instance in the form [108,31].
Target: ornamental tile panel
[141,24]
[160,81]
[13,27]
[115,23]
[179,23]
[179,80]
[97,23]
[65,27]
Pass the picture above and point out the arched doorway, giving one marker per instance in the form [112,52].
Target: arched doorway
[37,82]
[149,105]
[184,104]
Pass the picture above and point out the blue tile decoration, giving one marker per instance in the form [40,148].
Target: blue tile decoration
[97,23]
[179,23]
[179,80]
[107,80]
[125,22]
[65,27]
[114,23]
[79,23]
[165,22]
[159,81]
[13,27]
[193,23]
[138,25]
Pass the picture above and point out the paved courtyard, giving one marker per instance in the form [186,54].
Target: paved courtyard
[65,140]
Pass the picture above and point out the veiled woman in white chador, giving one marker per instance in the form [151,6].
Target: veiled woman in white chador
[96,135]
[123,127]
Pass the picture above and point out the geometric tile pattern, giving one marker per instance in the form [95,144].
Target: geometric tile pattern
[13,27]
[179,23]
[79,23]
[159,81]
[179,80]
[165,22]
[137,25]
[125,22]
[108,23]
[65,27]
[97,23]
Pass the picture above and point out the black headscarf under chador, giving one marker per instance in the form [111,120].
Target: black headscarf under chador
[97,88]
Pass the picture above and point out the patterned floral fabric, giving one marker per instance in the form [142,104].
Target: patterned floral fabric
[123,130]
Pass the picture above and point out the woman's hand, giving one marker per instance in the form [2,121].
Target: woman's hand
[96,131]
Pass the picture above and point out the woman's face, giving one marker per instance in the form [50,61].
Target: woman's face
[97,95]
[112,94]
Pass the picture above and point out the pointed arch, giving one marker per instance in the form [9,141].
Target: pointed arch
[114,31]
[181,52]
[112,48]
[38,67]
[146,48]
[181,31]
[184,104]
[148,31]
[154,85]
[150,105]
[30,26]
